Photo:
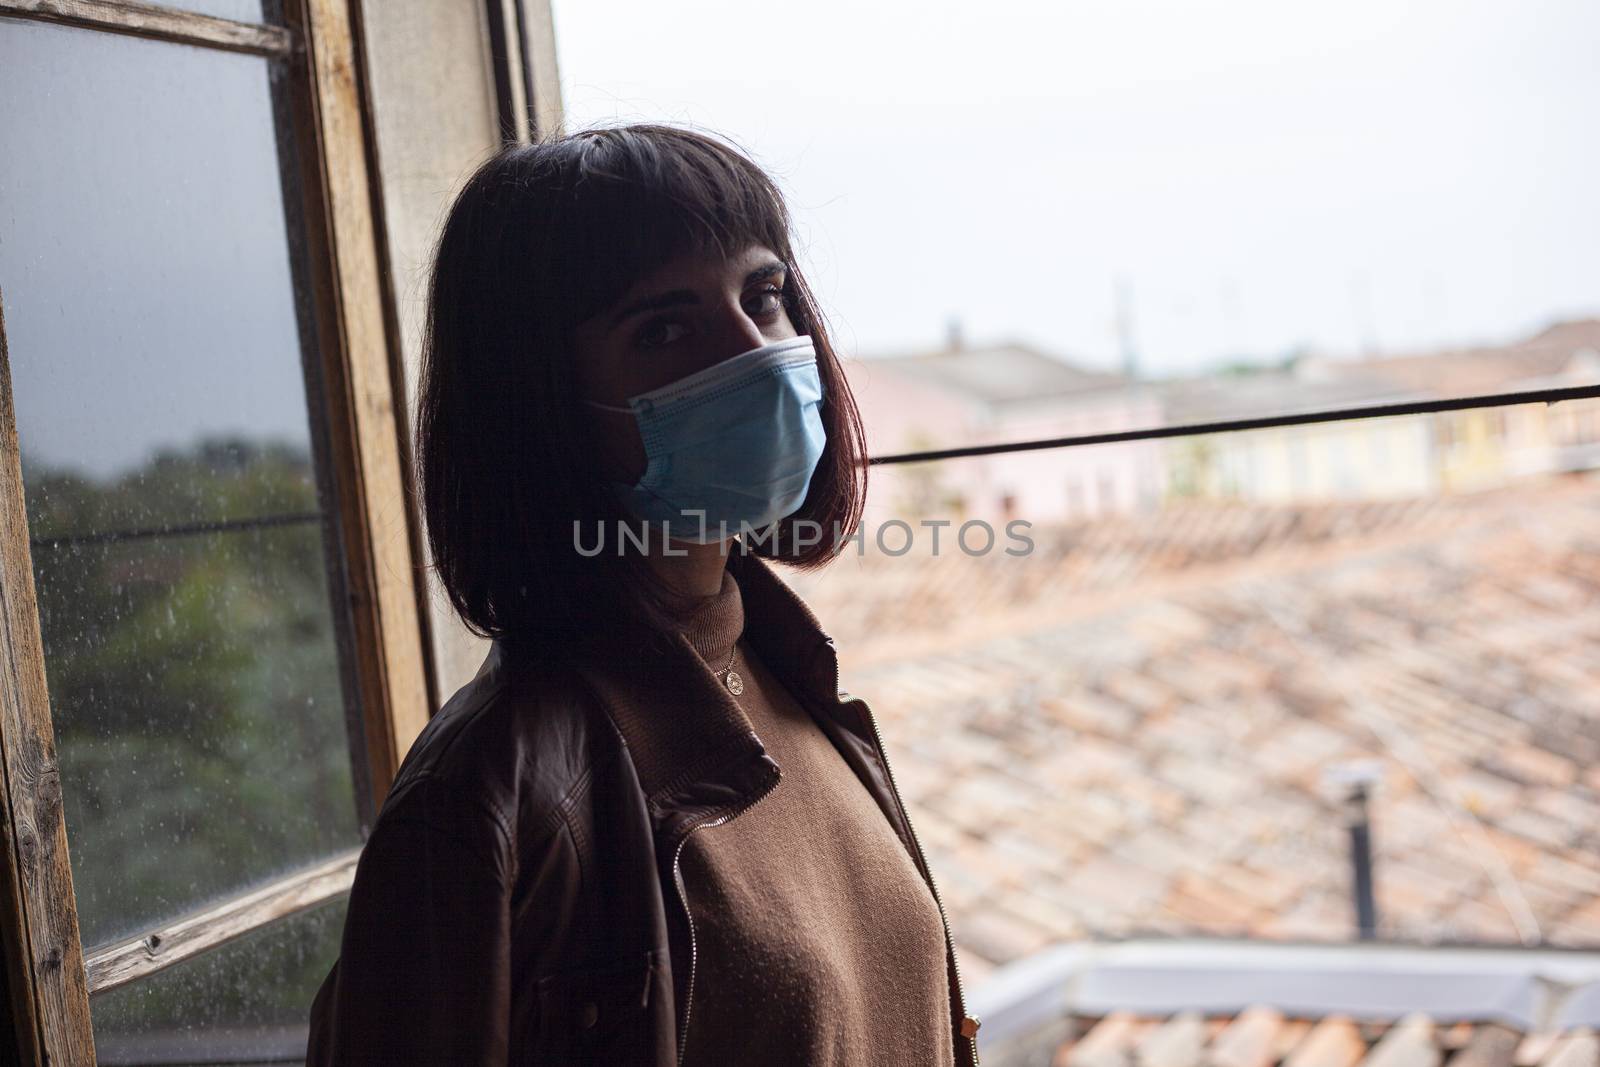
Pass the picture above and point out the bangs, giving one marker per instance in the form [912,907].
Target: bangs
[639,196]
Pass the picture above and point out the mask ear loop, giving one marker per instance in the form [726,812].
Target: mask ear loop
[609,407]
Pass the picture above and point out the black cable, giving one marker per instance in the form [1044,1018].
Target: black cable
[1416,407]
[182,530]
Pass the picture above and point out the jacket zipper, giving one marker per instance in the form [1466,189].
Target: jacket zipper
[683,900]
[927,871]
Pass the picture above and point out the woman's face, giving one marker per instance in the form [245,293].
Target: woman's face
[692,312]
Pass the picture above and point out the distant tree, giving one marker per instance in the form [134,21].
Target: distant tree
[194,683]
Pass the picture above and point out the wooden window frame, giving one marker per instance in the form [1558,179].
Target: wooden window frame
[439,106]
[48,976]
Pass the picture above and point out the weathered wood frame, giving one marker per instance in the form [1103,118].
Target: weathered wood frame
[173,942]
[46,974]
[48,994]
[539,68]
[364,421]
[429,133]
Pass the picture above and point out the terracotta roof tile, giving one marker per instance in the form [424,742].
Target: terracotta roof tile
[1263,1037]
[1114,735]
[1579,1048]
[1250,1040]
[1332,1042]
[1177,1042]
[1412,1043]
[1109,1043]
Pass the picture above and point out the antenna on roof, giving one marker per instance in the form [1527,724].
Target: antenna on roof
[1125,336]
[1356,780]
[1361,309]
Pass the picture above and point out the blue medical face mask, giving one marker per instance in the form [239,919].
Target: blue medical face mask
[731,446]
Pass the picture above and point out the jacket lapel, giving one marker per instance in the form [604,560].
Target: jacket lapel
[692,745]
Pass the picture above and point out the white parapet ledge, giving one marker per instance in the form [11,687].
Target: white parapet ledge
[1531,989]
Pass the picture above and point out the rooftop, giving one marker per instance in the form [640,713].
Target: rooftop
[1230,1004]
[1130,732]
[1480,370]
[1270,392]
[1261,1036]
[999,374]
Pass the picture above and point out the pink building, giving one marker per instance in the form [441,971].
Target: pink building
[962,395]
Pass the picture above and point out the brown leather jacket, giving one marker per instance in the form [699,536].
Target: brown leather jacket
[519,902]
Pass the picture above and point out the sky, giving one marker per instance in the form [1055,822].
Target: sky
[1255,178]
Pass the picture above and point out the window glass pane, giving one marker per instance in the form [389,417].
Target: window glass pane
[179,544]
[246,1002]
[1151,719]
[195,691]
[1159,188]
[149,303]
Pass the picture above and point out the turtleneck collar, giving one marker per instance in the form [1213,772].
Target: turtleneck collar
[679,721]
[716,623]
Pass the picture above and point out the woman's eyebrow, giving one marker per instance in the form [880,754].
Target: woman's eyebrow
[680,297]
[762,273]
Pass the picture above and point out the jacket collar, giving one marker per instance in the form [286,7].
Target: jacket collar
[691,743]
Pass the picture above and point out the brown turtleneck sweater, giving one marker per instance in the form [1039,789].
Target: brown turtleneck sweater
[818,943]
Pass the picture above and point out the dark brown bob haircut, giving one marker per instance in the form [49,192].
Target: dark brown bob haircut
[543,237]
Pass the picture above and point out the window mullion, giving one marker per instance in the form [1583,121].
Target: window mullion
[137,957]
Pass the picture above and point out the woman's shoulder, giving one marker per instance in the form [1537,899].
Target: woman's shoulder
[515,741]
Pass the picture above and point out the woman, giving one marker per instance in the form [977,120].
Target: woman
[651,830]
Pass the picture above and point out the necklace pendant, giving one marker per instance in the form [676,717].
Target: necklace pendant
[735,683]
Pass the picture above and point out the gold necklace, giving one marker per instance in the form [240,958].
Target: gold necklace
[735,683]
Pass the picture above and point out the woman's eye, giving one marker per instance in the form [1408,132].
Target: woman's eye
[660,333]
[771,300]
